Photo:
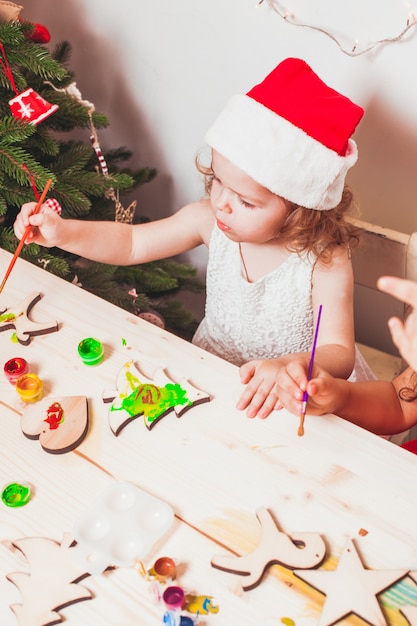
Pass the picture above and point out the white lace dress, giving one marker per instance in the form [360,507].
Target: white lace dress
[260,320]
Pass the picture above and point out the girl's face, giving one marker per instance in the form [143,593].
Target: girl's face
[244,210]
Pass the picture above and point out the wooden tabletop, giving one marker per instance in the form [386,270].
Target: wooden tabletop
[338,485]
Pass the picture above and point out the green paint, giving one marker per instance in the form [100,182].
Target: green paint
[7,317]
[15,495]
[14,338]
[402,593]
[150,400]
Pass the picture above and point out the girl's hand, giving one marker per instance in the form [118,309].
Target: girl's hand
[45,225]
[273,384]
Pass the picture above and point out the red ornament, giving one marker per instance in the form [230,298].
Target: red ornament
[30,107]
[39,34]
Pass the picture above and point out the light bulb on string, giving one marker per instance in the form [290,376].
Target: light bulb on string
[286,15]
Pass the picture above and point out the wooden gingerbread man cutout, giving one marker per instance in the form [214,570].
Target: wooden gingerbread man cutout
[301,550]
[18,318]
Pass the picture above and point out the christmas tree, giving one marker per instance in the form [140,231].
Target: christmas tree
[87,182]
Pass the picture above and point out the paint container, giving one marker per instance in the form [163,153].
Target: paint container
[163,569]
[29,387]
[15,368]
[174,598]
[91,351]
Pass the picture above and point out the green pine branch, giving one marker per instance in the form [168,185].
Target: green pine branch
[30,155]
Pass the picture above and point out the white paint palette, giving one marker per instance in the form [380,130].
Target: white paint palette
[119,527]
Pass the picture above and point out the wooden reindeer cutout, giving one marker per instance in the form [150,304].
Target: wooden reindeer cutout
[301,550]
[17,317]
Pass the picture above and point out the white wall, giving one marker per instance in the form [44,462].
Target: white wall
[162,69]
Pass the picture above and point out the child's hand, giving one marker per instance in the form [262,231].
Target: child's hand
[45,225]
[273,384]
[324,393]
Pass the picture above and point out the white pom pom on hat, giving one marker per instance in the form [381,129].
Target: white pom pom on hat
[291,134]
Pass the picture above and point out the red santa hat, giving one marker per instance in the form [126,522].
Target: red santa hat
[292,134]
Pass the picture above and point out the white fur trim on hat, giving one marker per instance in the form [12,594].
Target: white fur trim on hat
[280,156]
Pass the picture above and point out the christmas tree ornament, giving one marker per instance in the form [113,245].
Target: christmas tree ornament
[30,107]
[151,397]
[51,584]
[121,214]
[38,34]
[27,105]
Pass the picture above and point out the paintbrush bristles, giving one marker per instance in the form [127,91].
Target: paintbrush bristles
[25,234]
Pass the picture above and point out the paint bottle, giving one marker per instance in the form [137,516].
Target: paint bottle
[91,351]
[173,598]
[15,368]
[29,387]
[163,569]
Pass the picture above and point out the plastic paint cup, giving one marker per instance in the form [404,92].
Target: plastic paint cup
[163,569]
[15,368]
[91,351]
[29,387]
[173,597]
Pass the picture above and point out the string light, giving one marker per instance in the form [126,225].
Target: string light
[287,16]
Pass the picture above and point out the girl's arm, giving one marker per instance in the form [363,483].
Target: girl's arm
[116,243]
[333,289]
[271,383]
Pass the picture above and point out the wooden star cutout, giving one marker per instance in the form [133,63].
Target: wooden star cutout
[351,589]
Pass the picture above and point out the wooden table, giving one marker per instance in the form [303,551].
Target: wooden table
[213,466]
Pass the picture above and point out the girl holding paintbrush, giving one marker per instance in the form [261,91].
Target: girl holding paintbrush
[274,223]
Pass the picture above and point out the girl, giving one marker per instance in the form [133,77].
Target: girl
[274,223]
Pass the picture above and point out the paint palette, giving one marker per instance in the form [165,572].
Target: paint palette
[119,527]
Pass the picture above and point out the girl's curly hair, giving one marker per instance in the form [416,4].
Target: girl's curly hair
[310,230]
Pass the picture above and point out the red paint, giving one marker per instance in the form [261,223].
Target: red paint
[55,415]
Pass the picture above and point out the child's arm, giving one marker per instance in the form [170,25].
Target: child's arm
[269,381]
[375,404]
[116,243]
